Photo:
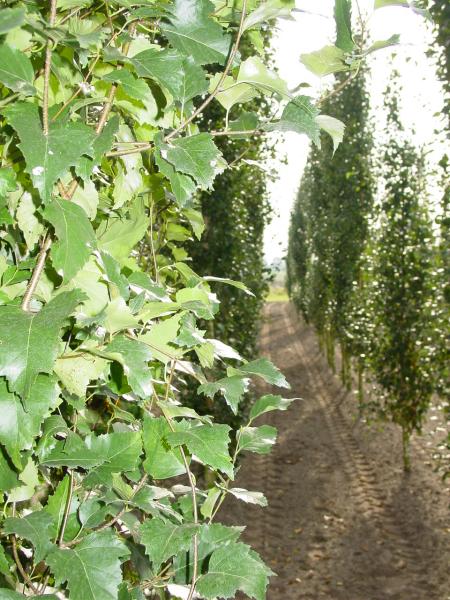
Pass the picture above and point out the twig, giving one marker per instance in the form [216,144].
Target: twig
[338,88]
[152,245]
[17,560]
[47,69]
[140,148]
[214,93]
[32,284]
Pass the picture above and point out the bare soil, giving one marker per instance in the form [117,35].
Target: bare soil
[344,522]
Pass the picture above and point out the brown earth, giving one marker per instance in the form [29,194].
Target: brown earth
[344,522]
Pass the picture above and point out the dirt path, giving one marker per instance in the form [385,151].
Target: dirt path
[343,522]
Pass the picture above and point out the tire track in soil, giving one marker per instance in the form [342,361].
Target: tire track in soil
[366,491]
[328,532]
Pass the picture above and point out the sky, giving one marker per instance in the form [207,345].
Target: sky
[422,96]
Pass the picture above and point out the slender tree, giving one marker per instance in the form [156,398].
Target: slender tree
[402,285]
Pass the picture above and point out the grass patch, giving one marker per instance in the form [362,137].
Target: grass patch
[277,295]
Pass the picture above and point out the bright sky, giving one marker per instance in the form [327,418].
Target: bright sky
[422,93]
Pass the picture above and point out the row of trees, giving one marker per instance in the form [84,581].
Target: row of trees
[368,265]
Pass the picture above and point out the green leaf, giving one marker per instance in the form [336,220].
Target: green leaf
[196,155]
[268,403]
[72,452]
[210,538]
[209,443]
[101,144]
[18,427]
[30,479]
[380,44]
[114,275]
[164,540]
[299,115]
[119,235]
[163,66]
[7,183]
[247,121]
[86,195]
[161,461]
[258,439]
[196,221]
[10,18]
[231,568]
[16,70]
[333,127]
[249,497]
[264,369]
[183,186]
[117,452]
[118,316]
[254,72]
[383,3]
[48,157]
[135,88]
[91,569]
[34,346]
[271,9]
[194,33]
[31,227]
[343,19]
[325,61]
[8,477]
[35,528]
[78,370]
[134,356]
[232,388]
[92,513]
[56,507]
[76,238]
[232,92]
[193,81]
[160,336]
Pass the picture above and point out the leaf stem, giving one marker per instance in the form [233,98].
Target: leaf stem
[66,510]
[191,485]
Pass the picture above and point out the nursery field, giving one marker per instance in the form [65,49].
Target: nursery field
[343,522]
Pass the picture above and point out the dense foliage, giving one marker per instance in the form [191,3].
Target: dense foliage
[103,156]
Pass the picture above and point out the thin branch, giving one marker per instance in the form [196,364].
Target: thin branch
[140,148]
[152,245]
[338,88]
[47,69]
[37,272]
[17,560]
[214,93]
[232,132]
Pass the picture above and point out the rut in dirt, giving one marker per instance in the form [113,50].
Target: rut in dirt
[343,522]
